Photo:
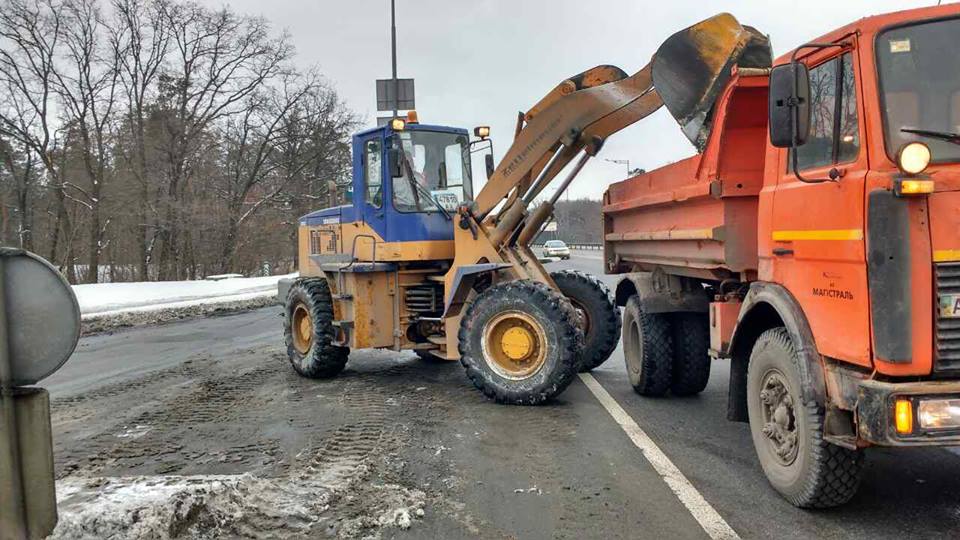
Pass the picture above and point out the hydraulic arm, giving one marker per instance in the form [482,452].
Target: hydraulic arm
[686,74]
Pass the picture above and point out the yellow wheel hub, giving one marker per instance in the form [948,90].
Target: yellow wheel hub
[302,329]
[514,345]
[517,342]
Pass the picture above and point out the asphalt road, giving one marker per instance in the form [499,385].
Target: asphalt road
[214,397]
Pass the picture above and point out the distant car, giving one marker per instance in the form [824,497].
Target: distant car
[556,248]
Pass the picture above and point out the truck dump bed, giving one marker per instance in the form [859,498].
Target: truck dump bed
[697,217]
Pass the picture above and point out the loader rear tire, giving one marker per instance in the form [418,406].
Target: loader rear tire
[519,342]
[647,349]
[592,299]
[691,363]
[787,432]
[308,330]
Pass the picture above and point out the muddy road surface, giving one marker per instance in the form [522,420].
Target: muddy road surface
[200,429]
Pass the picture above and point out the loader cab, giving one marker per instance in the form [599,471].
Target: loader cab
[409,179]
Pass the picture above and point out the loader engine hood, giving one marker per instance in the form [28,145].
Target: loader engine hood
[692,66]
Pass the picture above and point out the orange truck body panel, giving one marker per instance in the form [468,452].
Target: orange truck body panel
[735,212]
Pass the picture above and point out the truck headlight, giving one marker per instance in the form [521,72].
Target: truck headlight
[914,158]
[939,413]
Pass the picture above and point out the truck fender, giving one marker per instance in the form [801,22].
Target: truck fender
[663,293]
[766,306]
[463,279]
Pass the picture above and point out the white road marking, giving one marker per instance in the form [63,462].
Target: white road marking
[708,518]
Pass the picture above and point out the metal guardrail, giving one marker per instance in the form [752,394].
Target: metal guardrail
[593,247]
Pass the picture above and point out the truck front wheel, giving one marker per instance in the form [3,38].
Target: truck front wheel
[598,312]
[308,330]
[788,432]
[647,349]
[519,342]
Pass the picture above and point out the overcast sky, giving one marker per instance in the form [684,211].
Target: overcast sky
[480,61]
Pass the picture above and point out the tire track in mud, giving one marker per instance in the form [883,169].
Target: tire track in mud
[153,441]
[294,456]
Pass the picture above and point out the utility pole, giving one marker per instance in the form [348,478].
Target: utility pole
[393,48]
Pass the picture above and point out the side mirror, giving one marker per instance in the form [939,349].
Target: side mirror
[488,159]
[789,105]
[393,162]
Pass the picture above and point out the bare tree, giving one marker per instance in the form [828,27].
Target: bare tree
[87,88]
[162,138]
[140,42]
[220,59]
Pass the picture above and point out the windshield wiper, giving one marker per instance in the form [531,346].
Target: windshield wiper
[939,135]
[422,190]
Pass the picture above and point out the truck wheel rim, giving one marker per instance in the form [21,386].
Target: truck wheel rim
[514,345]
[777,407]
[302,329]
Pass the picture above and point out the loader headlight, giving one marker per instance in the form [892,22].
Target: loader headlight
[482,131]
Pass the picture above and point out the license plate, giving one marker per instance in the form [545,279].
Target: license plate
[950,306]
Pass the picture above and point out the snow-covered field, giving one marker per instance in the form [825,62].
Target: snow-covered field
[109,299]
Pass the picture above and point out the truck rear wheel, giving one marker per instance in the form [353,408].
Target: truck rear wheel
[519,342]
[788,433]
[308,330]
[691,363]
[601,318]
[647,349]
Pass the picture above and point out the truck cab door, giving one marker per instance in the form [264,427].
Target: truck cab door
[817,246]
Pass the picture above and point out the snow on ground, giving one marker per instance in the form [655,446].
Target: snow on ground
[109,299]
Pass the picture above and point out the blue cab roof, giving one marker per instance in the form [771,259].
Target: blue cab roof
[416,127]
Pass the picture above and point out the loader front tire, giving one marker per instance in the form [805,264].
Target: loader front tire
[308,330]
[787,431]
[599,314]
[647,349]
[520,343]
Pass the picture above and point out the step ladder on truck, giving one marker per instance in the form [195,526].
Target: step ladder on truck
[814,242]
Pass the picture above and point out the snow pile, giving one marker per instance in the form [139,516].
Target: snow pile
[217,506]
[109,299]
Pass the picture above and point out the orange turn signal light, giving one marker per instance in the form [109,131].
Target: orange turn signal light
[903,412]
[907,186]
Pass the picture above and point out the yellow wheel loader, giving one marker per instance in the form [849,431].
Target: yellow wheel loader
[418,261]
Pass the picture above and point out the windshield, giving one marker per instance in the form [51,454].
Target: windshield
[554,243]
[435,166]
[920,84]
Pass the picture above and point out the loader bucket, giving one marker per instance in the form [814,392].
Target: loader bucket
[693,65]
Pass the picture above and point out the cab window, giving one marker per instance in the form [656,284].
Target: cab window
[834,127]
[373,172]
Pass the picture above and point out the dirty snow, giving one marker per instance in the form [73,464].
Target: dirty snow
[215,506]
[109,299]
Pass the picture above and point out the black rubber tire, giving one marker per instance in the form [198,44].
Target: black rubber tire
[691,363]
[647,349]
[590,294]
[553,312]
[822,475]
[323,360]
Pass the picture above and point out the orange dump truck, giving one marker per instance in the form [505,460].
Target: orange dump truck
[814,241]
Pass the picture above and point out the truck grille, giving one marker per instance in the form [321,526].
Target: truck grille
[948,330]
